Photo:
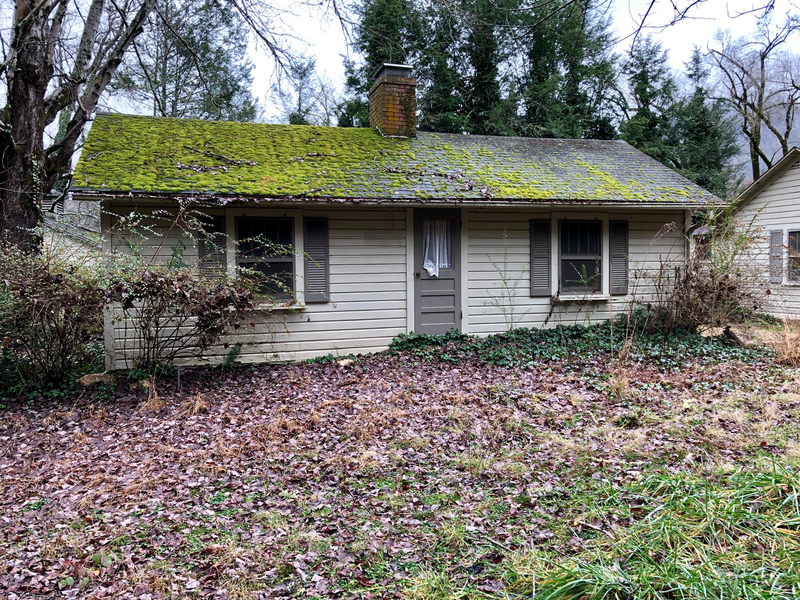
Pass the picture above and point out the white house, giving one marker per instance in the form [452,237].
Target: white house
[396,231]
[772,205]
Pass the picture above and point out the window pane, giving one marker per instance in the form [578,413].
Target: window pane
[272,279]
[260,237]
[437,245]
[580,275]
[580,238]
[595,236]
[794,242]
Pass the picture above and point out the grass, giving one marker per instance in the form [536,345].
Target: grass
[735,535]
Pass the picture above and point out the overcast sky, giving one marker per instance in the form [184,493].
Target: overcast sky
[326,41]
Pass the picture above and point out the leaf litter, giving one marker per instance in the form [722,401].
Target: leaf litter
[355,480]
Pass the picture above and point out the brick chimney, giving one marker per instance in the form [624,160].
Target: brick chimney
[393,101]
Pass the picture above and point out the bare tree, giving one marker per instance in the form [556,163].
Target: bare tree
[303,96]
[60,55]
[757,83]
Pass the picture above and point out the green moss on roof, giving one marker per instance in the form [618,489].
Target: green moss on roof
[157,155]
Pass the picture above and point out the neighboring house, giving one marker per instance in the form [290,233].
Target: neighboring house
[398,231]
[772,205]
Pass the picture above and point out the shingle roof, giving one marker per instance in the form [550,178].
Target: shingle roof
[174,156]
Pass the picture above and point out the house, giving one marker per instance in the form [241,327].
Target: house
[772,205]
[397,231]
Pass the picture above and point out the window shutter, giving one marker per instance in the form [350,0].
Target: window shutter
[540,257]
[775,256]
[618,232]
[316,259]
[212,248]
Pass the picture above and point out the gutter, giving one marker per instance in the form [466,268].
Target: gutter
[218,200]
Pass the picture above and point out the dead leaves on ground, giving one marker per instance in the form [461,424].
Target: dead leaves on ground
[327,480]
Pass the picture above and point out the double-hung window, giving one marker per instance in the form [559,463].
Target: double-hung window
[591,255]
[793,251]
[580,257]
[265,250]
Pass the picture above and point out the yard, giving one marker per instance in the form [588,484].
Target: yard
[568,463]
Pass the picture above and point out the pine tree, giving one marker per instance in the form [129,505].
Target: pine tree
[190,62]
[704,134]
[441,68]
[652,90]
[568,82]
[387,31]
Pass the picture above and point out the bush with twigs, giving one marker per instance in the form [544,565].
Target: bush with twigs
[720,283]
[169,313]
[51,319]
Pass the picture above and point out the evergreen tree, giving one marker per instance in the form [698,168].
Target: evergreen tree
[652,91]
[704,134]
[190,62]
[442,87]
[387,31]
[567,86]
[482,101]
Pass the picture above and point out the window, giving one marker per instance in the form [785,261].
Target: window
[266,250]
[793,250]
[580,266]
[437,245]
[212,247]
[580,260]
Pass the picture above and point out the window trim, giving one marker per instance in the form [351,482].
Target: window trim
[297,215]
[561,258]
[555,255]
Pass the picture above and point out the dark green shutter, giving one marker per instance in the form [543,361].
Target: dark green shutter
[540,257]
[315,235]
[618,232]
[775,256]
[212,247]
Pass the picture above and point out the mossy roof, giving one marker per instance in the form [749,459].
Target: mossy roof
[176,156]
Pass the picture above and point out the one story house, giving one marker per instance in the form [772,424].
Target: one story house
[398,231]
[771,204]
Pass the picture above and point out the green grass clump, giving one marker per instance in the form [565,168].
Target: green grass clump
[735,536]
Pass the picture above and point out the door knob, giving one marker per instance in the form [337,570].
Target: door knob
[417,273]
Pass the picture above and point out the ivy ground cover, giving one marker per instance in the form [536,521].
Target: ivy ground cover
[445,468]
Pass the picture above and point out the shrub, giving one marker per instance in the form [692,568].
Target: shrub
[50,319]
[169,313]
[720,283]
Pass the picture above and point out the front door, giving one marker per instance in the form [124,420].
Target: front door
[437,268]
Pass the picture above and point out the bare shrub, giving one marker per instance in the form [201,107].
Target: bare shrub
[50,317]
[169,313]
[721,282]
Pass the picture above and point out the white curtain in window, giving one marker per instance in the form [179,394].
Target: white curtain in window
[437,245]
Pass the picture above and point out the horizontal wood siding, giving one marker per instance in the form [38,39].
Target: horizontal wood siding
[777,208]
[368,281]
[367,251]
[500,237]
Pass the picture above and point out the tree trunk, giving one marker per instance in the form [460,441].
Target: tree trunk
[21,143]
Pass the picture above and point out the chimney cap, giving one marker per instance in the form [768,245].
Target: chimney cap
[392,69]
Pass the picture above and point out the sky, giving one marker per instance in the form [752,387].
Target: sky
[325,39]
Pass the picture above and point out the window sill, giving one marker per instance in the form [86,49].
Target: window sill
[272,307]
[565,298]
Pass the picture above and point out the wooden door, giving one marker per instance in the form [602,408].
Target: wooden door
[437,301]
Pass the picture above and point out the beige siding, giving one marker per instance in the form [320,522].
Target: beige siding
[777,208]
[488,246]
[367,252]
[369,279]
